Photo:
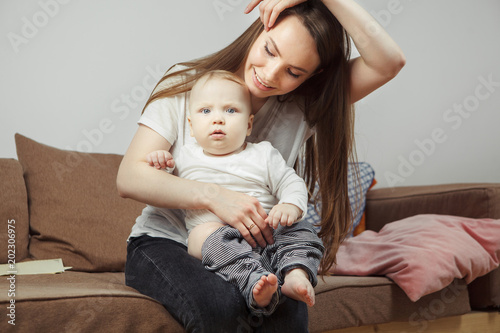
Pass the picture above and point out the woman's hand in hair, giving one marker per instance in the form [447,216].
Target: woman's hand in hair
[244,213]
[271,9]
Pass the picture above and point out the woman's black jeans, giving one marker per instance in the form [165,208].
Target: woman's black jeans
[200,300]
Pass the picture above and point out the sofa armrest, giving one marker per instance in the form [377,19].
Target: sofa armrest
[13,212]
[468,200]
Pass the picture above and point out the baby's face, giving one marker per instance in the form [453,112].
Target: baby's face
[220,118]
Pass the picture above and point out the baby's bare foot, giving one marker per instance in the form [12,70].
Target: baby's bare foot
[298,287]
[264,289]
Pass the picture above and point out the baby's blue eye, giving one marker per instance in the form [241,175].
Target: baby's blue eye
[205,111]
[231,110]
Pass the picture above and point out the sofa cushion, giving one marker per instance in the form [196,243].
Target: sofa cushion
[75,211]
[350,301]
[83,302]
[100,302]
[14,224]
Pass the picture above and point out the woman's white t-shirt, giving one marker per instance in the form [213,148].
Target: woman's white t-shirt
[280,123]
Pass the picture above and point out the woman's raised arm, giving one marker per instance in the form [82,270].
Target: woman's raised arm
[381,58]
[138,180]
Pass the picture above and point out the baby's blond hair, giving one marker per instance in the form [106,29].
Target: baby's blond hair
[221,74]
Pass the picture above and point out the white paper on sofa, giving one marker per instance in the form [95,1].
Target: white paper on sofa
[49,266]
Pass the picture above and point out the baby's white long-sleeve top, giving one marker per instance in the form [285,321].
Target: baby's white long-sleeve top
[259,171]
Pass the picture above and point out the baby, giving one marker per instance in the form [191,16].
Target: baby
[220,120]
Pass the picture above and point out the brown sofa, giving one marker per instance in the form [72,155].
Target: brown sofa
[65,205]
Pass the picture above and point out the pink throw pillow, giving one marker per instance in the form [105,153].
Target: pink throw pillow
[424,253]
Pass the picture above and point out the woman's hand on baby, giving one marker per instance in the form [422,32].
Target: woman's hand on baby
[245,213]
[284,214]
[271,9]
[160,159]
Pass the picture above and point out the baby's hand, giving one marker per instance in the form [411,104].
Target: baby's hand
[284,214]
[160,159]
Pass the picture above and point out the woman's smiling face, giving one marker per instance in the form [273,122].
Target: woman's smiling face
[281,59]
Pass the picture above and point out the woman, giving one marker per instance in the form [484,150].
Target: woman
[296,64]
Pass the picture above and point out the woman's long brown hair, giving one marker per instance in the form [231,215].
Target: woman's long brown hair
[326,106]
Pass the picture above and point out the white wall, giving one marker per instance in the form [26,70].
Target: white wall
[451,47]
[91,64]
[74,75]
